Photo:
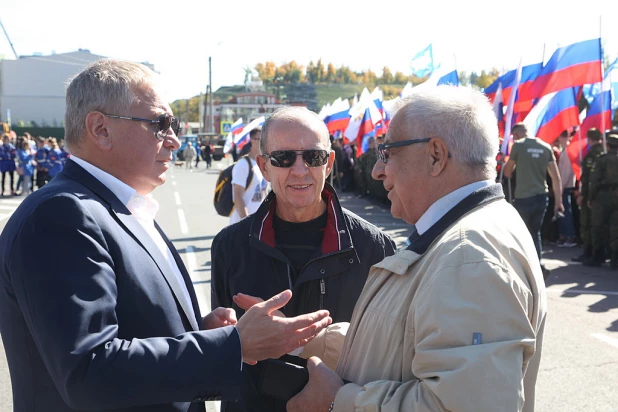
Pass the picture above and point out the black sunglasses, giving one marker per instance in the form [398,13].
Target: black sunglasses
[287,158]
[164,122]
[382,148]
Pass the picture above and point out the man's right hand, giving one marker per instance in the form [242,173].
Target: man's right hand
[264,334]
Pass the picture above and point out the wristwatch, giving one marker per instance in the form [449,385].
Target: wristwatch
[332,406]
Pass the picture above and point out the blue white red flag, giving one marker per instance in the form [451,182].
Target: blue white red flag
[242,138]
[560,114]
[569,66]
[338,117]
[237,127]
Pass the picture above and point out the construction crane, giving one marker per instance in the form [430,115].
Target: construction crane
[9,40]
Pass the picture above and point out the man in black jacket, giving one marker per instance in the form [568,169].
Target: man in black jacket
[300,238]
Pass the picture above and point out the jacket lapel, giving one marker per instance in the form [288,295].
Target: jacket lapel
[137,231]
[144,239]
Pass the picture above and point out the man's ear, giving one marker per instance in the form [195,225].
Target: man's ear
[438,156]
[98,130]
[261,161]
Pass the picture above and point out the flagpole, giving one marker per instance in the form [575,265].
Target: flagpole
[602,79]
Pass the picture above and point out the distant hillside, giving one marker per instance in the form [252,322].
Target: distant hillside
[225,93]
[327,93]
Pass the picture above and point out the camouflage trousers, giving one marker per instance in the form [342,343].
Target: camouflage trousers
[605,221]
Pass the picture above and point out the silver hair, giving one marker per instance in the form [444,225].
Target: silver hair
[294,114]
[460,116]
[109,86]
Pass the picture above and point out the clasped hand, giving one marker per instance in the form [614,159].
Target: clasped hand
[264,331]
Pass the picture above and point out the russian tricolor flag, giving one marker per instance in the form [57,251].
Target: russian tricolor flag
[365,116]
[576,150]
[338,117]
[237,127]
[599,113]
[570,66]
[382,127]
[242,138]
[558,115]
[507,80]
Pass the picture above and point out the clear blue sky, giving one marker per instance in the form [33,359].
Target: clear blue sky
[177,37]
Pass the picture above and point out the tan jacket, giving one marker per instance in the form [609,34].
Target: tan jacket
[410,346]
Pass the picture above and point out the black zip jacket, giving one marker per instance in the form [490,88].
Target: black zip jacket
[245,260]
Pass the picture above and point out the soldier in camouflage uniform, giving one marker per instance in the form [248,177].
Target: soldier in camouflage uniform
[603,192]
[596,150]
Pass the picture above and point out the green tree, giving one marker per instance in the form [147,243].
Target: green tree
[320,72]
[293,72]
[400,78]
[331,73]
[345,75]
[485,79]
[266,72]
[311,73]
[387,76]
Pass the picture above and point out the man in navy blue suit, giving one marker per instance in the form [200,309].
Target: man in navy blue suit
[105,316]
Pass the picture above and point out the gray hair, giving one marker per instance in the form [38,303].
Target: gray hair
[462,117]
[108,86]
[294,114]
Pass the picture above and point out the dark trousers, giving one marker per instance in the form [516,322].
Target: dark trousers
[42,177]
[11,177]
[532,210]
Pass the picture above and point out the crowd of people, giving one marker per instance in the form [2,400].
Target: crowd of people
[558,208]
[35,161]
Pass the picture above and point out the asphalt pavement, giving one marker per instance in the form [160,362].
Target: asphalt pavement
[579,370]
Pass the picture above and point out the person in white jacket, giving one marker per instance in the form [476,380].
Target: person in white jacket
[455,321]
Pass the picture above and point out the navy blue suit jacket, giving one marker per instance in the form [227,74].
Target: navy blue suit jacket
[90,314]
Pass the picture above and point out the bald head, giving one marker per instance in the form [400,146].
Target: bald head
[294,115]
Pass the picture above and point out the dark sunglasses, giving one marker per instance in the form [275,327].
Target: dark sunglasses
[287,158]
[383,148]
[164,122]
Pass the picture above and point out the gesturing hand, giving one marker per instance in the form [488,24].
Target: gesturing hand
[247,301]
[218,318]
[265,333]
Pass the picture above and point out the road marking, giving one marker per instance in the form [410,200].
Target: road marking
[7,207]
[11,201]
[4,216]
[192,263]
[184,229]
[177,197]
[606,339]
[584,292]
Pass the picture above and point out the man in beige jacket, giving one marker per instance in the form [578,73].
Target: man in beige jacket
[455,321]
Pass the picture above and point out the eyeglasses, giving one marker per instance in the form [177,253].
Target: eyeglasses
[164,121]
[287,158]
[382,148]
